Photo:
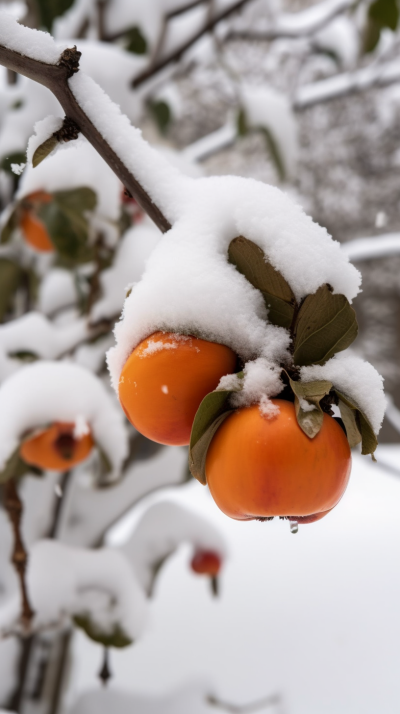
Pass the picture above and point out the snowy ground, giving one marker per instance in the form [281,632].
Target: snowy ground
[313,616]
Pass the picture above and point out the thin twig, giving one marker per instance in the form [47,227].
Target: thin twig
[13,506]
[176,54]
[55,78]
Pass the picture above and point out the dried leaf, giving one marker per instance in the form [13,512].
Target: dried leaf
[44,150]
[325,324]
[350,423]
[250,260]
[212,411]
[16,467]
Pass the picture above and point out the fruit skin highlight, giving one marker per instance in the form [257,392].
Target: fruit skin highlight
[33,229]
[206,562]
[259,467]
[56,448]
[164,381]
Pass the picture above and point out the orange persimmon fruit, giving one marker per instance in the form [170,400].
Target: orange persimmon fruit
[33,229]
[56,448]
[164,380]
[206,562]
[259,467]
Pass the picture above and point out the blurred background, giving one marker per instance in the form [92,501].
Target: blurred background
[300,94]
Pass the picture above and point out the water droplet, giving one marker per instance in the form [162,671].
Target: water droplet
[294,526]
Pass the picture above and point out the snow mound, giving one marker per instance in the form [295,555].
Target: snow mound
[190,287]
[46,392]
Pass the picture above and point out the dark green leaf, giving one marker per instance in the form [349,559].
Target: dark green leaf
[162,114]
[312,392]
[241,123]
[385,12]
[136,42]
[44,150]
[372,35]
[49,10]
[11,276]
[275,152]
[115,638]
[369,442]
[24,356]
[16,467]
[250,260]
[10,221]
[67,225]
[18,157]
[212,411]
[325,324]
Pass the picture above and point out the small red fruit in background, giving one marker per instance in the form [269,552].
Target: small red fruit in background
[206,562]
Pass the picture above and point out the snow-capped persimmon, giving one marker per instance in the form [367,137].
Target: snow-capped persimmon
[258,467]
[206,562]
[56,448]
[164,380]
[33,229]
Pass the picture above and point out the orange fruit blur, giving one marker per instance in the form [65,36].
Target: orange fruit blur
[164,380]
[35,233]
[33,229]
[56,448]
[258,467]
[206,562]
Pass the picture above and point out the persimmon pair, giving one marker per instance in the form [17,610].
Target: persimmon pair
[256,467]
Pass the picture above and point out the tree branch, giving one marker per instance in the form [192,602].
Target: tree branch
[346,84]
[295,25]
[176,54]
[55,78]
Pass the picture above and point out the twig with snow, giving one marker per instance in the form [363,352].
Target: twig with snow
[36,56]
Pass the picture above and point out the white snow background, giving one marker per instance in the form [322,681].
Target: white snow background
[313,616]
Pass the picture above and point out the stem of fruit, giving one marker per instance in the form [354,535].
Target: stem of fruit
[13,506]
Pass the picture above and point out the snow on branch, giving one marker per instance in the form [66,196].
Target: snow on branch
[35,334]
[347,83]
[374,247]
[293,25]
[98,586]
[145,173]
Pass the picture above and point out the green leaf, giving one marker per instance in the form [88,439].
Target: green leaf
[250,260]
[16,467]
[49,10]
[369,442]
[385,12]
[136,42]
[162,114]
[115,638]
[275,152]
[212,411]
[325,324]
[372,35]
[24,356]
[11,220]
[67,225]
[18,157]
[44,150]
[241,123]
[312,392]
[11,276]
